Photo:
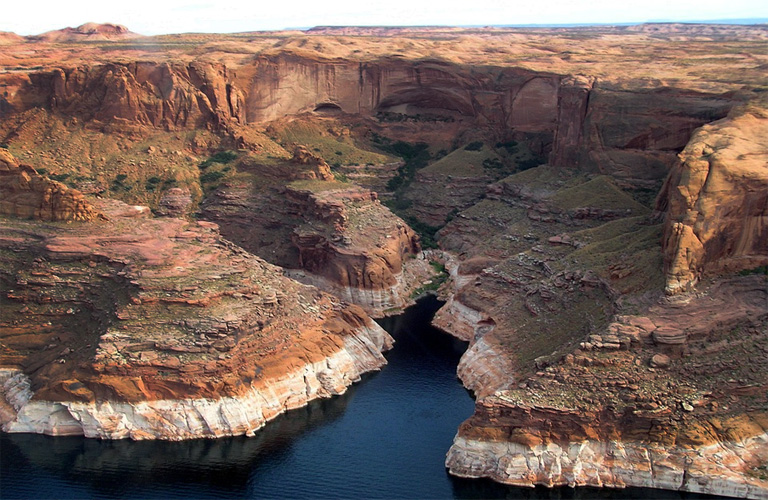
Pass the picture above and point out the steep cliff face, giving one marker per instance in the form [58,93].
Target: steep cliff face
[633,134]
[511,98]
[159,328]
[339,235]
[716,201]
[523,445]
[632,131]
[24,193]
[165,95]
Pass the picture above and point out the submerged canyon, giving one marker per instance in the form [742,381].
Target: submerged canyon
[196,231]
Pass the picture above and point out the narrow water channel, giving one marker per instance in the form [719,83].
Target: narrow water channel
[385,438]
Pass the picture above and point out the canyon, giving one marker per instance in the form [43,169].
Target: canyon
[196,229]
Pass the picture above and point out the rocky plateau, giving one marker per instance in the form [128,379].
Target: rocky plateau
[194,231]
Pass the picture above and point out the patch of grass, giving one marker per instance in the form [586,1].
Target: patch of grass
[756,270]
[599,192]
[440,277]
[152,183]
[221,157]
[415,156]
[59,177]
[331,140]
[211,177]
[465,162]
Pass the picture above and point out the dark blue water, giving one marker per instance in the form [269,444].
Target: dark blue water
[385,438]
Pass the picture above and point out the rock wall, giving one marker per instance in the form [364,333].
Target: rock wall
[159,328]
[164,95]
[184,418]
[26,194]
[716,201]
[672,400]
[287,84]
[578,449]
[629,130]
[339,235]
[633,134]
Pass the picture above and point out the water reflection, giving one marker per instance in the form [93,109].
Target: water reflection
[385,438]
[198,467]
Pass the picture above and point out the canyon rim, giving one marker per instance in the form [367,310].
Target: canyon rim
[196,229]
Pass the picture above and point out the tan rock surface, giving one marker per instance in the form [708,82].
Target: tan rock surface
[119,324]
[26,194]
[716,201]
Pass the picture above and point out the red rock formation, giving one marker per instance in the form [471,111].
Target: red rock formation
[633,134]
[87,31]
[510,98]
[631,406]
[158,328]
[716,201]
[26,194]
[166,95]
[313,167]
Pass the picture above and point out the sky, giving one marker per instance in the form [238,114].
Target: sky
[152,17]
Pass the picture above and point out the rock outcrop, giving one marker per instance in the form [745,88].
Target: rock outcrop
[522,445]
[337,236]
[24,193]
[87,32]
[630,407]
[716,201]
[154,94]
[159,329]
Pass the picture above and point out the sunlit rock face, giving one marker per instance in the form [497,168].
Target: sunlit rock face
[716,201]
[28,195]
[134,327]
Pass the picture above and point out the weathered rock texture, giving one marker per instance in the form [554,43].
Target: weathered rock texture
[338,234]
[166,95]
[158,328]
[526,445]
[24,193]
[629,407]
[716,201]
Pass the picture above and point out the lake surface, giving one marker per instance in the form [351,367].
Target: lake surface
[385,438]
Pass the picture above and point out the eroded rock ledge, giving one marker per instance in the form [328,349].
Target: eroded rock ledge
[160,329]
[24,193]
[577,448]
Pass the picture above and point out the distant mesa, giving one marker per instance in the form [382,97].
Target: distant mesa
[87,31]
[8,37]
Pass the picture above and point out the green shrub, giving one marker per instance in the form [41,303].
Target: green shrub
[757,270]
[474,146]
[509,146]
[222,157]
[209,177]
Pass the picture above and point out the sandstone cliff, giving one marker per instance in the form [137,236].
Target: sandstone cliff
[24,193]
[336,235]
[716,201]
[158,328]
[164,95]
[630,406]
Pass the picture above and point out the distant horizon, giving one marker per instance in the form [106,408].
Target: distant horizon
[150,17]
[713,22]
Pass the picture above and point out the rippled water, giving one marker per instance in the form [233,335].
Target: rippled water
[385,438]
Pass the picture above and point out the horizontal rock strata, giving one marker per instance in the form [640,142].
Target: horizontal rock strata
[159,329]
